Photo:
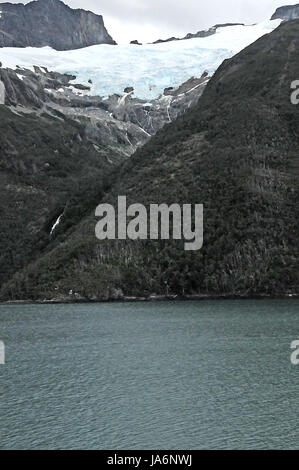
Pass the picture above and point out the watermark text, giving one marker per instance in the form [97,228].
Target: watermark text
[2,353]
[295,93]
[160,222]
[295,354]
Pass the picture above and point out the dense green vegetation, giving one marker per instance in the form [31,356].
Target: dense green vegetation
[46,167]
[236,152]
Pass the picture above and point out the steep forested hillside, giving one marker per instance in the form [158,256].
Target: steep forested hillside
[46,163]
[59,149]
[236,152]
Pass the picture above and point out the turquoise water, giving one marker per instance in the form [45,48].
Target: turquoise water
[173,375]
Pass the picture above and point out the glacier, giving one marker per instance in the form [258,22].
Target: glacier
[148,68]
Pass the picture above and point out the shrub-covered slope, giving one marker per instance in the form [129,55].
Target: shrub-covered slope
[236,152]
[46,164]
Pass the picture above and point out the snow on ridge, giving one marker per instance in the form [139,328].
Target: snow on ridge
[149,68]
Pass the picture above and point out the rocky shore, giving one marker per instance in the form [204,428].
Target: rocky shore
[153,298]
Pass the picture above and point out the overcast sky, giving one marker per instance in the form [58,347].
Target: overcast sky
[148,20]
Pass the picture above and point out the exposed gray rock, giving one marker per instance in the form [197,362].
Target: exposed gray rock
[160,41]
[288,12]
[200,34]
[211,31]
[120,122]
[50,23]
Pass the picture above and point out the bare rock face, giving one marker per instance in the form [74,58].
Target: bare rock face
[288,12]
[50,23]
[200,34]
[120,122]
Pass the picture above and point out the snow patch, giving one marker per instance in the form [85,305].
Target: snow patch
[122,100]
[56,224]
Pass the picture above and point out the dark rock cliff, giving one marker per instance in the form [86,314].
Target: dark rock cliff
[50,23]
[288,12]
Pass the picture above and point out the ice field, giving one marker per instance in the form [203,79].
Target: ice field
[148,68]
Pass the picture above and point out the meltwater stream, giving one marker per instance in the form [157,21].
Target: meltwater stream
[181,375]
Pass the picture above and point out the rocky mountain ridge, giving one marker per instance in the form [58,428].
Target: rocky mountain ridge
[200,34]
[119,121]
[286,13]
[50,23]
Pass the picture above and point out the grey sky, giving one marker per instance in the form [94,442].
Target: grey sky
[148,20]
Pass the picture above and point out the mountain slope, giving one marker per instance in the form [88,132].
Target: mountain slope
[46,163]
[237,153]
[58,149]
[50,23]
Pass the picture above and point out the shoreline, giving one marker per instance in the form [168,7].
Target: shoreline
[160,298]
